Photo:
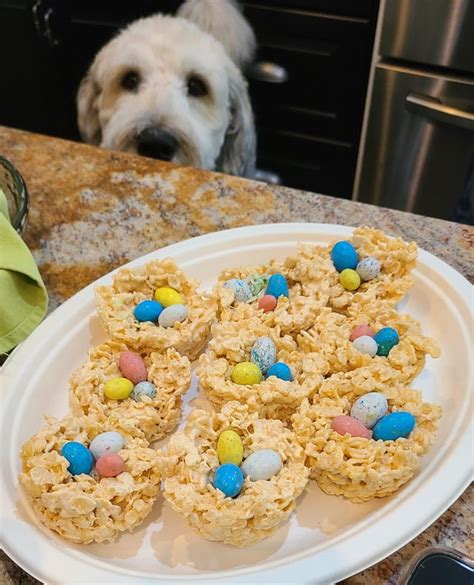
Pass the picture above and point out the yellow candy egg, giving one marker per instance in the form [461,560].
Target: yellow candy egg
[349,279]
[246,373]
[167,296]
[118,388]
[230,448]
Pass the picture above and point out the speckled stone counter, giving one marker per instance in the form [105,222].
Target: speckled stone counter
[92,210]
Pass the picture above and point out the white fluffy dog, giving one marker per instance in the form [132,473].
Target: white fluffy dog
[170,88]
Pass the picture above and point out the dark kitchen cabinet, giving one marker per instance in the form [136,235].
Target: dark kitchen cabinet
[308,114]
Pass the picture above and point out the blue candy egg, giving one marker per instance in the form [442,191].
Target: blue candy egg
[148,311]
[263,353]
[386,338]
[344,255]
[280,370]
[277,286]
[229,479]
[394,426]
[79,457]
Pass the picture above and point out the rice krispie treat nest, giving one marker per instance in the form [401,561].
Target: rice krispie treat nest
[357,468]
[148,418]
[330,337]
[85,508]
[116,303]
[189,461]
[313,282]
[313,267]
[291,315]
[231,344]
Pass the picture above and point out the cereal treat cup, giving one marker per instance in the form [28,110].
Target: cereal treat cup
[231,344]
[291,314]
[189,462]
[85,508]
[330,337]
[313,267]
[357,468]
[147,417]
[116,303]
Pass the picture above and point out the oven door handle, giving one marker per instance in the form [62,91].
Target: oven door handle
[433,109]
[268,72]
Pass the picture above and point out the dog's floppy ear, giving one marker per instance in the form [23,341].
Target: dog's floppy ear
[88,109]
[239,149]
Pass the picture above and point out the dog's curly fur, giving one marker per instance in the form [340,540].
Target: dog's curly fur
[214,131]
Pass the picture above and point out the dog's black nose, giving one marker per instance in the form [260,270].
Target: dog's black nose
[157,143]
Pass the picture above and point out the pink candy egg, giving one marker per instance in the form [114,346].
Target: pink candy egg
[110,465]
[361,330]
[267,303]
[346,424]
[132,366]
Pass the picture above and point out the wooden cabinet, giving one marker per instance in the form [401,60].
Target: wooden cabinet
[308,118]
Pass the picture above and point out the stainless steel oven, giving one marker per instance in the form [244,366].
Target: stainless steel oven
[419,143]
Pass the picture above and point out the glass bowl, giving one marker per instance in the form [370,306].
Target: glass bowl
[14,188]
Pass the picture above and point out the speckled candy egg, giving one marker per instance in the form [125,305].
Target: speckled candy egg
[360,330]
[242,291]
[366,344]
[110,465]
[368,268]
[106,443]
[246,373]
[118,388]
[79,457]
[344,255]
[148,311]
[397,425]
[263,464]
[349,279]
[230,448]
[280,370]
[386,339]
[263,353]
[132,366]
[143,389]
[229,479]
[277,286]
[370,408]
[172,315]
[344,424]
[167,296]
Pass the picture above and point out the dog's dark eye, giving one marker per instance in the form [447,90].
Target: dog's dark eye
[197,87]
[130,80]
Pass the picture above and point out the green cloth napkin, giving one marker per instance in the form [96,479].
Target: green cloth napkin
[23,296]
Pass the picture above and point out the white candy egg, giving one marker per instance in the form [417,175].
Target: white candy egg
[366,344]
[242,291]
[106,444]
[262,464]
[143,389]
[370,408]
[263,353]
[368,268]
[171,315]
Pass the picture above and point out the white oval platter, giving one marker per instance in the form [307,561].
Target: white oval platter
[327,538]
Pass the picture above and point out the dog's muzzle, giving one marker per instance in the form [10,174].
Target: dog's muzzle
[157,143]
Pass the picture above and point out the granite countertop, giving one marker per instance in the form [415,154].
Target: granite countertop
[92,210]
